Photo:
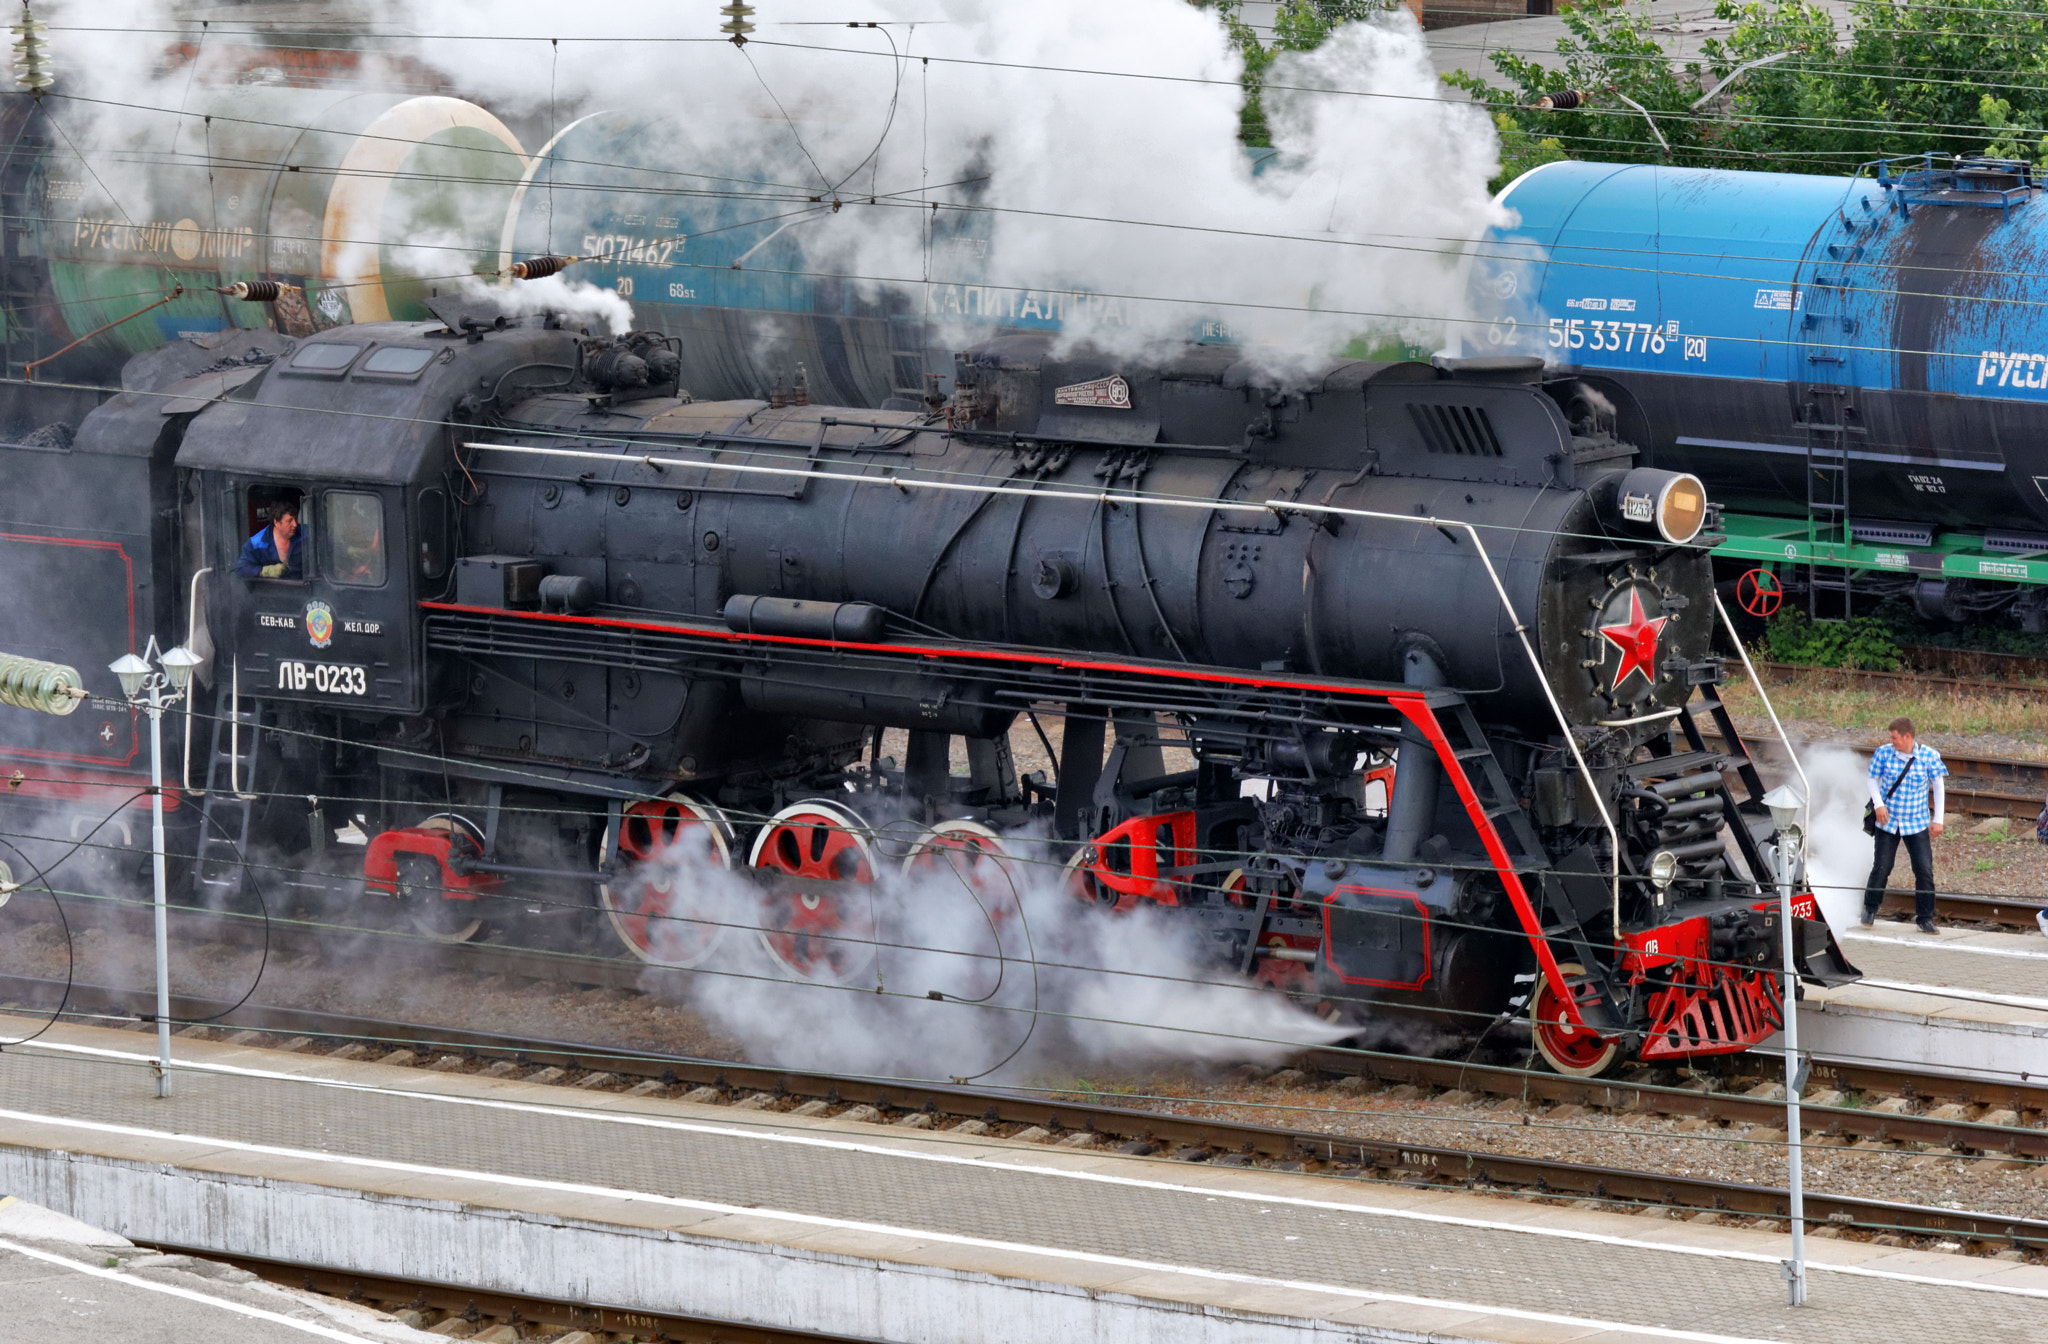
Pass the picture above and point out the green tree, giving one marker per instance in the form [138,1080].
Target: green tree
[1964,76]
[1299,25]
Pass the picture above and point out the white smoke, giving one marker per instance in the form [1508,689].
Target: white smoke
[1838,853]
[955,973]
[1097,143]
[577,301]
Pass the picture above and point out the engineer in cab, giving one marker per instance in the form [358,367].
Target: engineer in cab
[272,552]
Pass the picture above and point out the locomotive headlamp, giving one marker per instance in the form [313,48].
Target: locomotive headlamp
[1663,868]
[1671,503]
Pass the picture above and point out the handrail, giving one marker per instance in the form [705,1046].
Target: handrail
[1805,785]
[191,692]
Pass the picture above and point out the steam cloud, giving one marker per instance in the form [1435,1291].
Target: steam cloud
[1838,852]
[1128,189]
[1031,978]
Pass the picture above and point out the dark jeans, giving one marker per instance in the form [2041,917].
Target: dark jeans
[1919,852]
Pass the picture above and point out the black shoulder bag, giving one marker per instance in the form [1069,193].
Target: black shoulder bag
[1870,809]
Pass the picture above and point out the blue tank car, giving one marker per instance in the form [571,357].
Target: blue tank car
[1868,353]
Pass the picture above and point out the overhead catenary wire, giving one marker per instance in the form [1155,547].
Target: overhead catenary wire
[1831,124]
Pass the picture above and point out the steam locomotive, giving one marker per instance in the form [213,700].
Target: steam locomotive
[549,625]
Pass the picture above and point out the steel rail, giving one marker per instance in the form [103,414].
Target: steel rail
[515,1309]
[1848,1122]
[1141,1132]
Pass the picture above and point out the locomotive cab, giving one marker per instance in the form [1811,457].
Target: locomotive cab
[331,623]
[347,433]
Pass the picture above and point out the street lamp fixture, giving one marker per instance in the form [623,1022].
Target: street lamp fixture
[154,691]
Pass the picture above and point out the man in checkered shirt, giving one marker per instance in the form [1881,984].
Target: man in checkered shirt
[1907,792]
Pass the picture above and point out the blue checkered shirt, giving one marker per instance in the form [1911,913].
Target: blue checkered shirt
[1908,808]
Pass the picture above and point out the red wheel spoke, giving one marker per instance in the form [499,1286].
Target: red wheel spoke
[820,925]
[656,906]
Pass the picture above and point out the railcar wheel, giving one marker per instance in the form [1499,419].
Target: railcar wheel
[818,918]
[657,908]
[972,852]
[429,910]
[1576,1051]
[967,859]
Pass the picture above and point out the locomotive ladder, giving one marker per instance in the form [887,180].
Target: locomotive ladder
[1747,817]
[228,815]
[1488,785]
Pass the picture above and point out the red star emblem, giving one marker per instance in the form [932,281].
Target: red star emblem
[1636,637]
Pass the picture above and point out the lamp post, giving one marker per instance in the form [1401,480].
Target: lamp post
[1785,803]
[136,680]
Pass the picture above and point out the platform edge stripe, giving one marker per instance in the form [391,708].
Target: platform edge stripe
[986,1164]
[884,1229]
[1956,992]
[1944,946]
[173,1290]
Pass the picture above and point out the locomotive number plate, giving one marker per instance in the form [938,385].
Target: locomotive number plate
[326,678]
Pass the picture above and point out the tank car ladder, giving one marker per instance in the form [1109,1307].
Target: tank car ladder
[20,209]
[908,332]
[1827,504]
[228,815]
[1827,412]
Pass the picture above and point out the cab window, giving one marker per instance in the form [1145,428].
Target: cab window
[273,533]
[353,530]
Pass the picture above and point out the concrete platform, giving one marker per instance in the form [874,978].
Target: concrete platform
[884,1233]
[65,1282]
[1965,1001]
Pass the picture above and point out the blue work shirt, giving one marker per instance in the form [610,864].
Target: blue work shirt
[261,550]
[1919,796]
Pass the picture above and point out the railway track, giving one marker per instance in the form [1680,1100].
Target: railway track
[423,1303]
[1076,1123]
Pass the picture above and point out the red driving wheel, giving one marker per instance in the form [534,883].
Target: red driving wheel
[1566,1047]
[658,907]
[1760,592]
[817,918]
[972,854]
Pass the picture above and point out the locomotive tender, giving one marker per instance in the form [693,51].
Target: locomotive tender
[560,626]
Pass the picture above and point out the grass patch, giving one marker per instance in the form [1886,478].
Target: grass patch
[1826,696]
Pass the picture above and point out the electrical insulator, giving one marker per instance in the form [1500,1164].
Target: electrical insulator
[736,26]
[31,55]
[31,683]
[1559,102]
[256,291]
[537,268]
